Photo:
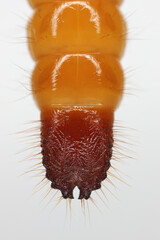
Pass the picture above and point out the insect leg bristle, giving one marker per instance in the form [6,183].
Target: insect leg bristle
[52,197]
[39,186]
[94,203]
[103,193]
[103,184]
[39,172]
[122,155]
[83,207]
[88,211]
[101,198]
[48,191]
[56,205]
[26,131]
[119,172]
[111,183]
[123,150]
[117,178]
[70,204]
[23,16]
[66,215]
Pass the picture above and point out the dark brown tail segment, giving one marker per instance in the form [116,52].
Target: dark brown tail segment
[77,148]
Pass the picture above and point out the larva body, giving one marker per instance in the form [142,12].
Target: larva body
[77,84]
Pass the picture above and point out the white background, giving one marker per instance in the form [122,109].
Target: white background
[136,215]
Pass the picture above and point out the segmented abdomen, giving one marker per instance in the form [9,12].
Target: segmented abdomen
[77,84]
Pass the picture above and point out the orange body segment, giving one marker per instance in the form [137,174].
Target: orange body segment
[36,3]
[77,27]
[81,80]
